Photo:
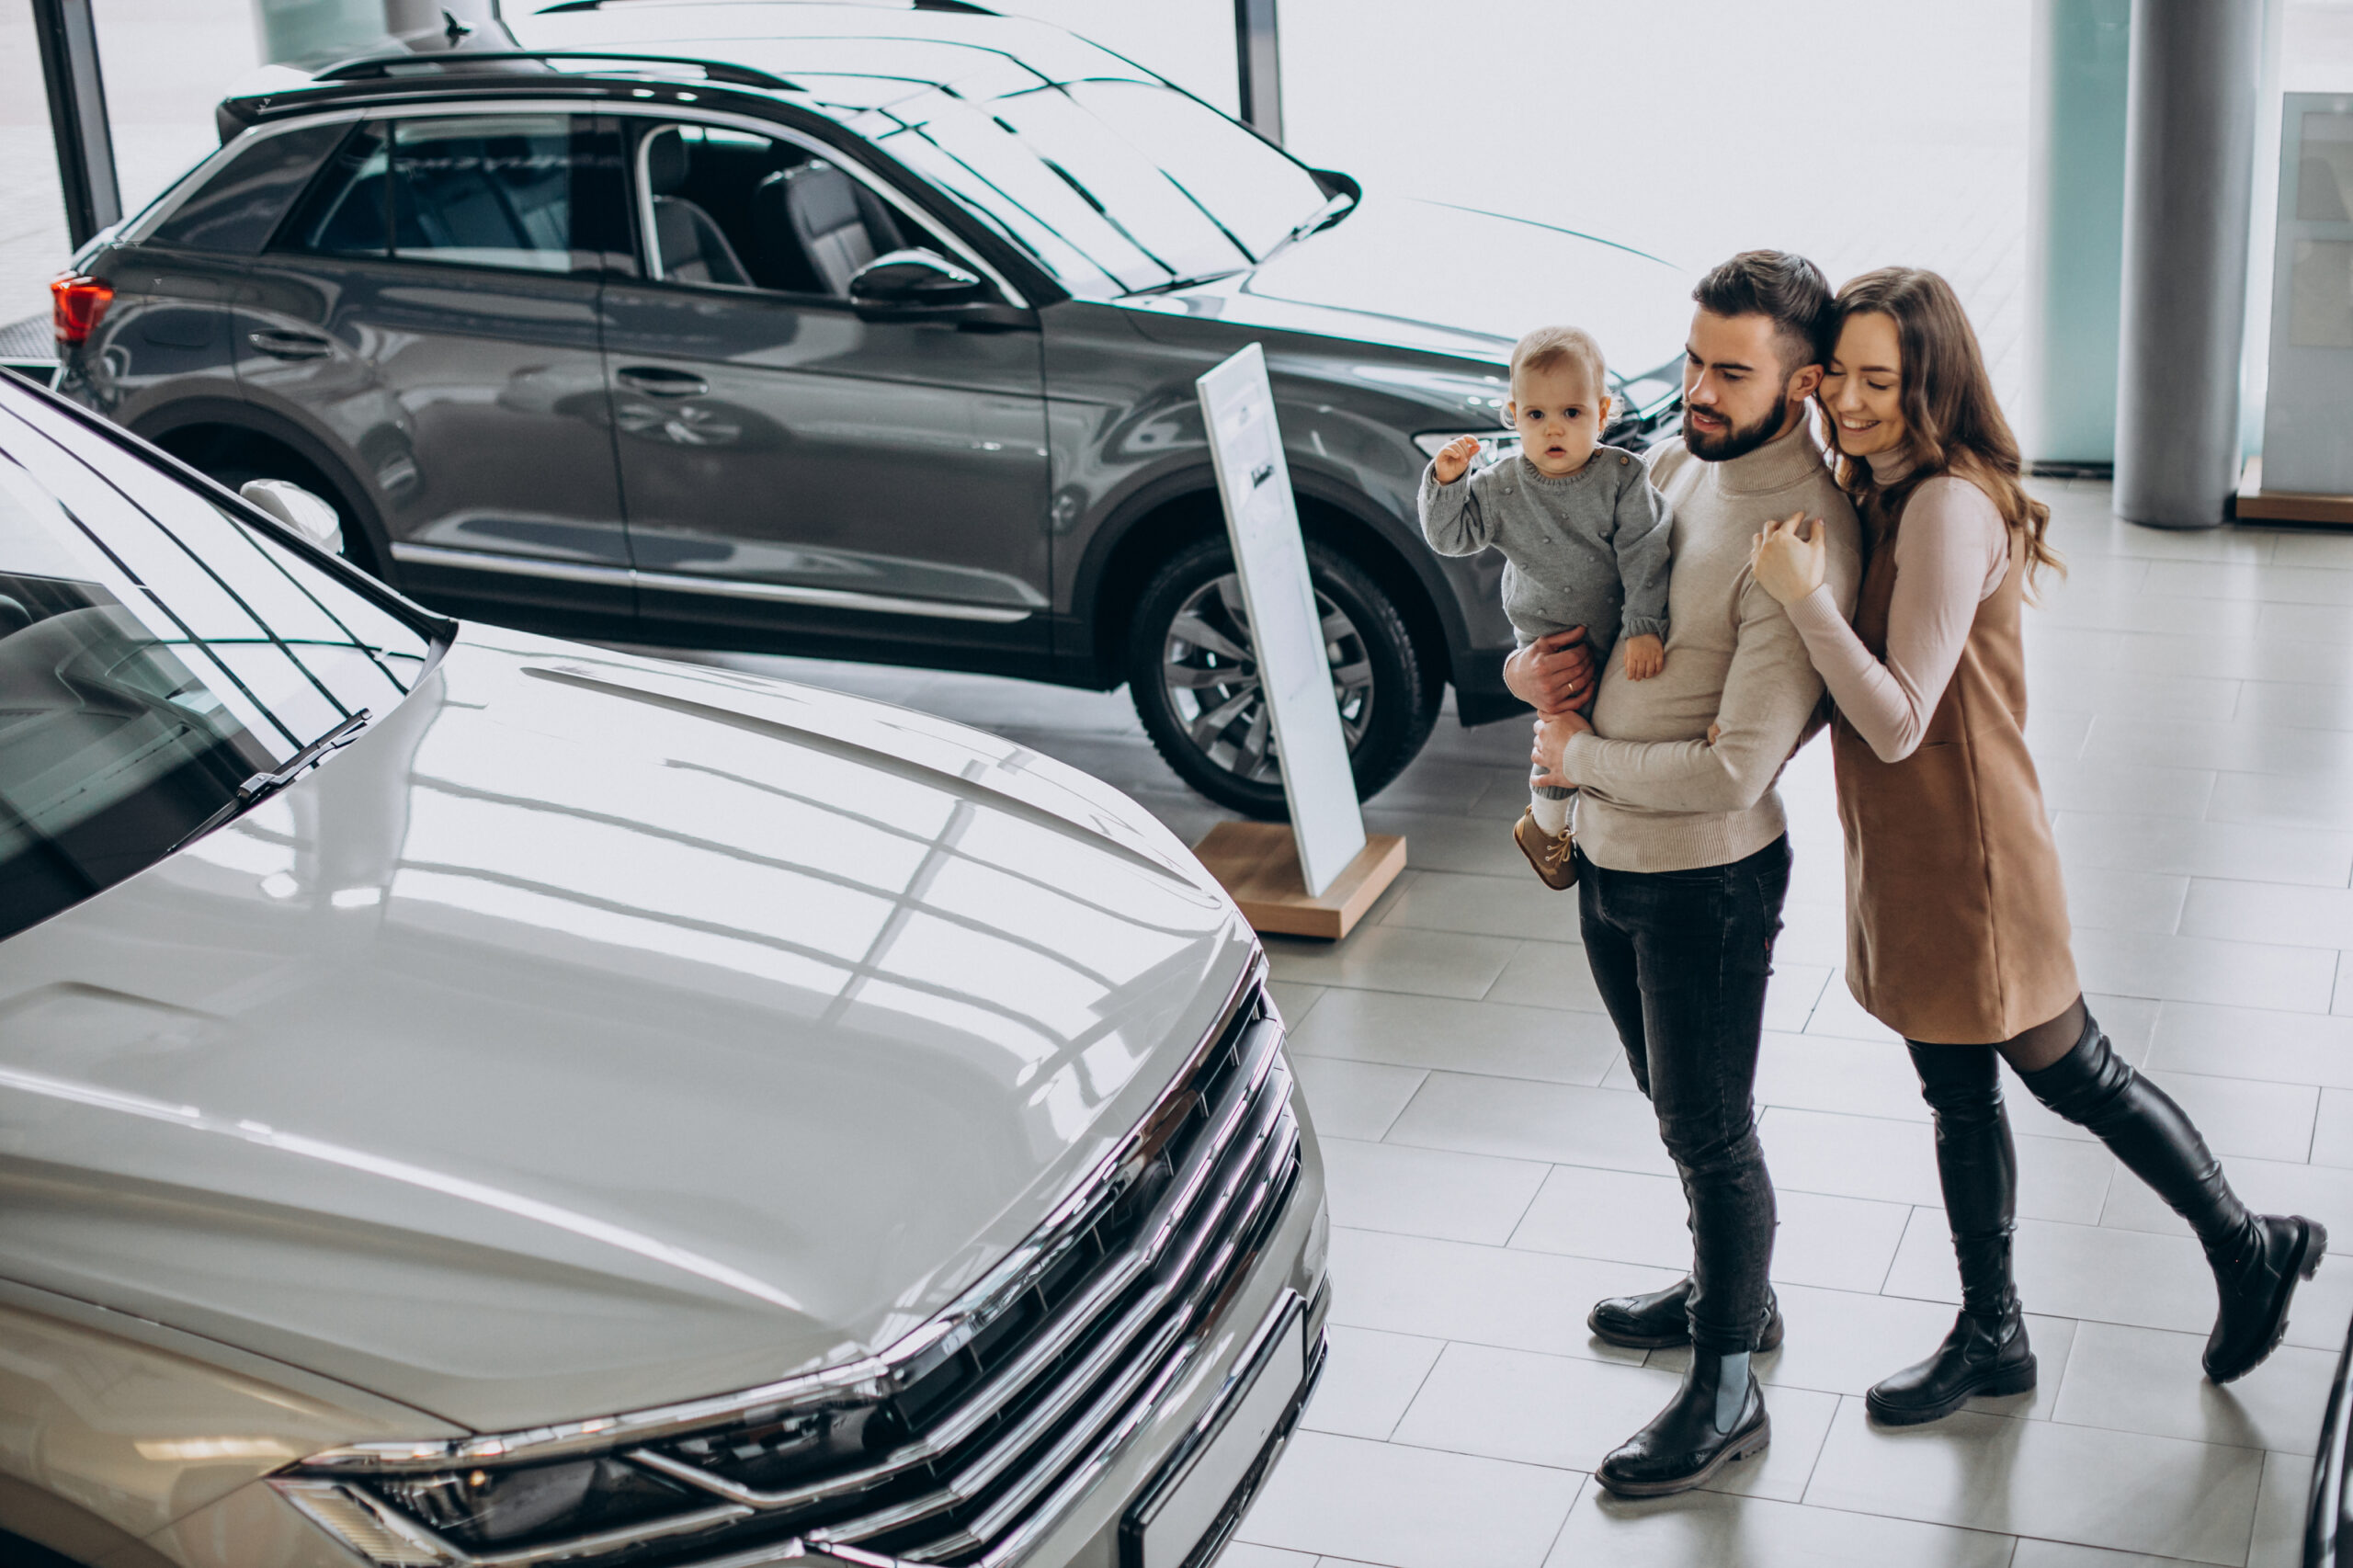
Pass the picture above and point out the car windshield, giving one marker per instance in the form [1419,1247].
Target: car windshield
[1113,186]
[156,653]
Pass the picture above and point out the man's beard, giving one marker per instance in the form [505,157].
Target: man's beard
[1736,442]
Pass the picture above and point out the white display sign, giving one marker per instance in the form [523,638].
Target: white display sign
[1294,670]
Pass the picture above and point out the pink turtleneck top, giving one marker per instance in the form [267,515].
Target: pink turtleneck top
[1951,551]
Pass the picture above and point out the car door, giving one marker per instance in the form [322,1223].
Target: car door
[793,464]
[429,311]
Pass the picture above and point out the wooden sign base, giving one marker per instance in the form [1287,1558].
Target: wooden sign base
[1258,862]
[2259,505]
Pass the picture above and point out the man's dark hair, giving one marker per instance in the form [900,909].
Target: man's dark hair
[1781,284]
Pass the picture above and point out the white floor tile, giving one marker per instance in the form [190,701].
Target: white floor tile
[1790,995]
[1243,1554]
[1488,1038]
[2121,1490]
[1368,1380]
[2250,1042]
[2032,1553]
[1517,906]
[2233,851]
[1714,1529]
[1295,1000]
[1559,1123]
[1571,1413]
[2333,1128]
[2279,1512]
[2269,912]
[1385,957]
[1547,975]
[1839,1014]
[1517,1301]
[2145,1380]
[2125,901]
[2198,969]
[1354,1099]
[1388,1503]
[1427,1192]
[1838,1242]
[2270,1187]
[1895,1161]
[1854,1077]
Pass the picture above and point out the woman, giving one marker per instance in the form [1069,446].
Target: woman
[1956,917]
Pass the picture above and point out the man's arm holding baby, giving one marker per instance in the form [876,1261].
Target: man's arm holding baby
[1769,696]
[1553,674]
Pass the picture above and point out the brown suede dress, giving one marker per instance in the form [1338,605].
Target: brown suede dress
[1957,927]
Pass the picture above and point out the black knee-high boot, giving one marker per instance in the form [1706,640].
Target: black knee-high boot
[2257,1258]
[1987,1353]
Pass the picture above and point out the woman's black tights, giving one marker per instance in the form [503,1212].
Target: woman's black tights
[2068,1064]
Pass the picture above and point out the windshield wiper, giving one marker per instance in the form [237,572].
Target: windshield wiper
[1336,206]
[1173,284]
[261,786]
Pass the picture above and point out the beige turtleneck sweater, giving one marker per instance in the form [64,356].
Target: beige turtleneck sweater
[1952,549]
[1654,795]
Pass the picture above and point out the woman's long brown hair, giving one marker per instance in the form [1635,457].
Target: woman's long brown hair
[1954,426]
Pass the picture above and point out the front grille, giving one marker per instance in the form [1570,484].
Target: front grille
[962,1445]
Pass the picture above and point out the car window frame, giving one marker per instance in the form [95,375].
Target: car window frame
[156,213]
[641,204]
[598,114]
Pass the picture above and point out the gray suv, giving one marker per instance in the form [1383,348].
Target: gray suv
[862,331]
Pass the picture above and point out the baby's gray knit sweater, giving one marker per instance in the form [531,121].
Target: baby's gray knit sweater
[1588,548]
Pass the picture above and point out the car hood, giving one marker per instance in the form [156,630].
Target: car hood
[1446,279]
[596,1032]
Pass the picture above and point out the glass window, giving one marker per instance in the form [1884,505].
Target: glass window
[1112,186]
[733,209]
[156,653]
[537,192]
[486,192]
[239,206]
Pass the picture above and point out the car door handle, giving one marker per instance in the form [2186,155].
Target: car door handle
[290,344]
[654,381]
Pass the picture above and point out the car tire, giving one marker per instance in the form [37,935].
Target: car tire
[1189,629]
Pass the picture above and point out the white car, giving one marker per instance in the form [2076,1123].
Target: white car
[470,1098]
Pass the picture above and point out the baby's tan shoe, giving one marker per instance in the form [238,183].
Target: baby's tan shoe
[1550,855]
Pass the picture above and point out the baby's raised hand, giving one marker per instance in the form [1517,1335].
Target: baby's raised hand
[1645,656]
[1455,457]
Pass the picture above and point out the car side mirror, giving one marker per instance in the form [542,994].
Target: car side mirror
[315,520]
[914,277]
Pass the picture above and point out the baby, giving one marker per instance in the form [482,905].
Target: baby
[1583,537]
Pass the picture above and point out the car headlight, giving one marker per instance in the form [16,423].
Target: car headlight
[1493,444]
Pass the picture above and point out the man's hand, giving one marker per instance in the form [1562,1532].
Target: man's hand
[1791,557]
[1553,674]
[1454,457]
[1552,738]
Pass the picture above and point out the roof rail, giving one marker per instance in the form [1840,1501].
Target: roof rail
[373,65]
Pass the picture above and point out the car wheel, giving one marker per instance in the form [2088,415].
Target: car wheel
[1193,675]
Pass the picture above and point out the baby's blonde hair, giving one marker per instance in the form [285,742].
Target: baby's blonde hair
[1550,346]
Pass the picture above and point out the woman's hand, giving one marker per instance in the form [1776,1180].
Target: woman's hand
[1791,557]
[1552,738]
[1553,674]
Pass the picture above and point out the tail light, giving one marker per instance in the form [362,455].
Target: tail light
[77,301]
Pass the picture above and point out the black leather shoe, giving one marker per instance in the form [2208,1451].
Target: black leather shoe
[1984,1354]
[1682,1448]
[1663,1318]
[2256,1288]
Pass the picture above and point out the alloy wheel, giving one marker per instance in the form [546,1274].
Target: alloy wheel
[1210,671]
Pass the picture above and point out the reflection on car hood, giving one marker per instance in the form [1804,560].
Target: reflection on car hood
[596,1032]
[1425,275]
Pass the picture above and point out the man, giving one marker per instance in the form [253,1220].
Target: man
[1682,856]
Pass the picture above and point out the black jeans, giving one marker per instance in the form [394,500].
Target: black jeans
[1681,959]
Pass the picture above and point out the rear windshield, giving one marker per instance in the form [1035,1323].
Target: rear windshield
[156,653]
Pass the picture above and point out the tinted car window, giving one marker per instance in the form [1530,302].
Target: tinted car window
[237,208]
[730,207]
[1112,186]
[537,192]
[155,652]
